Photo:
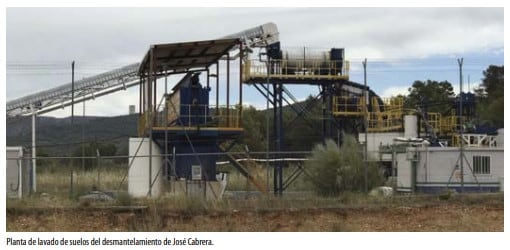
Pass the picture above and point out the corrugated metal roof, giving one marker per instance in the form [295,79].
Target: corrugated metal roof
[185,56]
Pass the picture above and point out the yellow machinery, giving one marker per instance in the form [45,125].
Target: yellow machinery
[388,115]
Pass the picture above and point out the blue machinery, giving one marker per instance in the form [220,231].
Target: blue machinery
[186,122]
[200,129]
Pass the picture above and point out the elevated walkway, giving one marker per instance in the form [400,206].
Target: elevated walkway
[295,71]
[211,121]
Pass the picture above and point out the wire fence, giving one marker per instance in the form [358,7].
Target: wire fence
[73,177]
[65,176]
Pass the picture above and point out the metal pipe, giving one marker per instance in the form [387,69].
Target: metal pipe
[228,90]
[365,163]
[324,134]
[460,61]
[155,95]
[280,137]
[72,92]
[217,87]
[140,96]
[83,138]
[208,75]
[240,86]
[267,125]
[301,153]
[275,127]
[149,193]
[34,165]
[165,171]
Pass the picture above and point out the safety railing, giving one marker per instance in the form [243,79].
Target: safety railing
[381,119]
[385,121]
[199,116]
[449,124]
[474,140]
[348,106]
[296,69]
[434,120]
[393,103]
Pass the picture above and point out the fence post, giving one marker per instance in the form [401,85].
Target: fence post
[98,168]
[71,185]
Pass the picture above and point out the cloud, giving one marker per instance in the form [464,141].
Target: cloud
[394,91]
[112,105]
[111,37]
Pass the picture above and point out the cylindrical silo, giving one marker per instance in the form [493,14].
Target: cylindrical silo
[410,126]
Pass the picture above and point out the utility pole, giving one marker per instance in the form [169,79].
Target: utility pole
[72,92]
[365,102]
[469,83]
[83,139]
[460,61]
[34,155]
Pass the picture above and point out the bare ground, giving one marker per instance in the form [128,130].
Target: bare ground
[431,214]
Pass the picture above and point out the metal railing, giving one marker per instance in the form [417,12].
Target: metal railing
[203,116]
[296,69]
[387,118]
[199,115]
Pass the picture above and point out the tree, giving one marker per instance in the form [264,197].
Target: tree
[254,124]
[305,131]
[431,95]
[490,95]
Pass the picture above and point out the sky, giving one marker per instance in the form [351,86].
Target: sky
[401,45]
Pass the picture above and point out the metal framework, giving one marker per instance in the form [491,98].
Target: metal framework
[117,79]
[190,121]
[85,89]
[177,58]
[270,78]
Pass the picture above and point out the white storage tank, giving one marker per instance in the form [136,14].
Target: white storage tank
[139,160]
[410,126]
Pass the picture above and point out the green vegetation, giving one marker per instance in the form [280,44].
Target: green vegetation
[490,96]
[433,95]
[338,170]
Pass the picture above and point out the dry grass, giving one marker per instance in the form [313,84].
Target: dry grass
[57,210]
[237,182]
[58,183]
[267,214]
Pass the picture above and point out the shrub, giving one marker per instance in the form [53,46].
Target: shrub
[336,169]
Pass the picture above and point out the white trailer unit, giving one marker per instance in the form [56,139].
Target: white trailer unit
[375,140]
[435,169]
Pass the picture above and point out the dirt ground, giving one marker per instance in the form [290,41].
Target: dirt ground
[479,215]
